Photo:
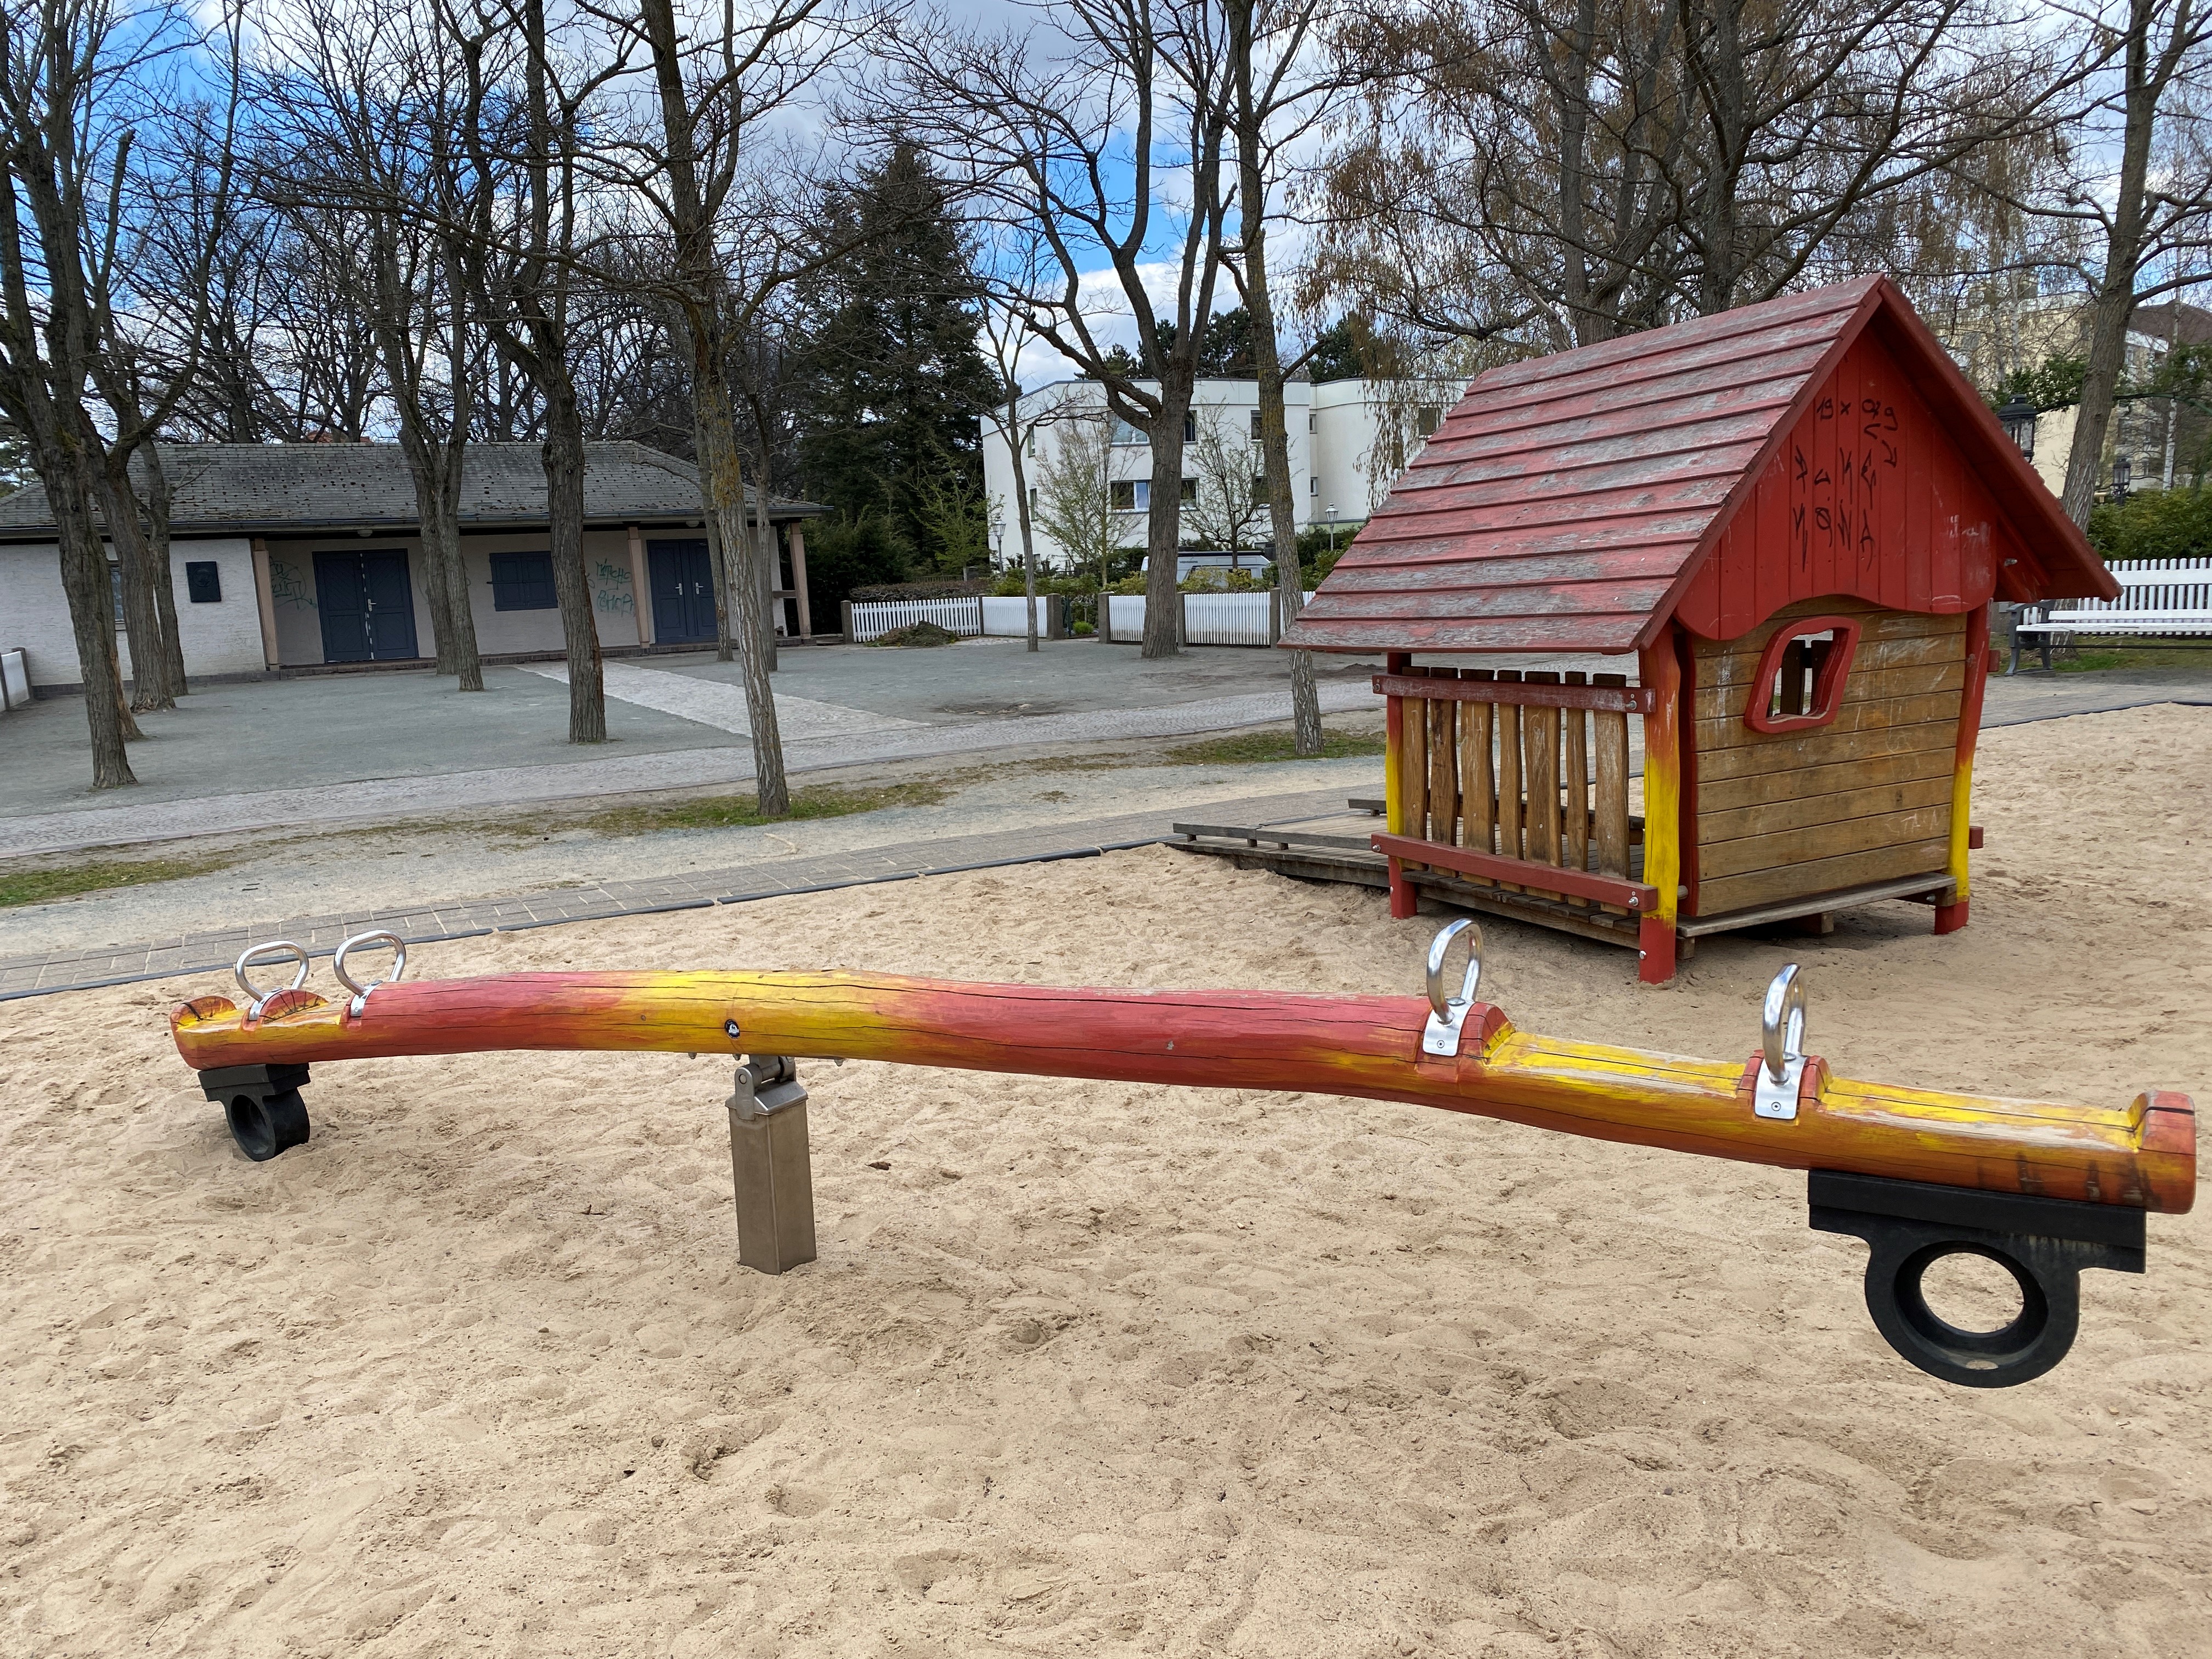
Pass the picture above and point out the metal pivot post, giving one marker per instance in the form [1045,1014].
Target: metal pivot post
[770,1165]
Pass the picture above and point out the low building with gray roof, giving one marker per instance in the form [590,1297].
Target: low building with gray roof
[308,556]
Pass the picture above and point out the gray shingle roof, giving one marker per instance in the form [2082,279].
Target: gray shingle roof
[270,489]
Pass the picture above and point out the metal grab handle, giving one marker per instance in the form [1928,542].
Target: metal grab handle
[360,992]
[1782,1038]
[256,997]
[1441,1034]
[1782,1022]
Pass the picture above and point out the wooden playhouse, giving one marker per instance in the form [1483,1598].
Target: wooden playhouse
[1794,516]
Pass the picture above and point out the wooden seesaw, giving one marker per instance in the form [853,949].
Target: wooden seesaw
[2043,1189]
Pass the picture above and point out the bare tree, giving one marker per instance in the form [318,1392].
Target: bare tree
[73,76]
[1551,176]
[1074,484]
[1232,487]
[2153,208]
[1272,104]
[1005,335]
[718,86]
[1081,138]
[365,164]
[522,126]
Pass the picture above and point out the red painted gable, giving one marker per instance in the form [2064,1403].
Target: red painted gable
[1866,496]
[1716,471]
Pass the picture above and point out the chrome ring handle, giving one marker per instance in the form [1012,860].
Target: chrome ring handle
[256,998]
[1439,949]
[1782,1039]
[1782,1022]
[399,948]
[1440,1035]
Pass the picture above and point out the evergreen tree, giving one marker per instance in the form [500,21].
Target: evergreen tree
[890,382]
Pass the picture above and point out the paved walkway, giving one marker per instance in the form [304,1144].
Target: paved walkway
[872,738]
[213,952]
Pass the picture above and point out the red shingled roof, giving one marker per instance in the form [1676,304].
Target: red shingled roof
[1819,443]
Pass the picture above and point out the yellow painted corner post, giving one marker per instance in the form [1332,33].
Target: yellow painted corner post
[1658,668]
[1949,918]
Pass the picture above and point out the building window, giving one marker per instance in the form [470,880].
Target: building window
[1259,487]
[1190,426]
[1129,494]
[1033,490]
[1256,426]
[1312,486]
[1120,432]
[203,582]
[522,581]
[1313,422]
[1190,492]
[1028,443]
[1427,419]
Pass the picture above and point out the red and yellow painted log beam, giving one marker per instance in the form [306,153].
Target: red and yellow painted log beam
[2142,1154]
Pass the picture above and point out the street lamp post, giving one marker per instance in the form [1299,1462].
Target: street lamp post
[2123,472]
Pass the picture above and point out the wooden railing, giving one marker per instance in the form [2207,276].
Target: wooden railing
[1518,781]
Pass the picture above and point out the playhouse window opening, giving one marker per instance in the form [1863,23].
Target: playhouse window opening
[1800,681]
[1796,681]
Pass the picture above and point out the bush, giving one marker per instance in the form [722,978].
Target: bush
[2155,524]
[1317,557]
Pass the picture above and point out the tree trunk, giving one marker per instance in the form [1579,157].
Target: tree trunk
[766,562]
[142,617]
[159,566]
[92,617]
[1164,518]
[2116,293]
[563,452]
[1022,518]
[1274,422]
[721,476]
[435,467]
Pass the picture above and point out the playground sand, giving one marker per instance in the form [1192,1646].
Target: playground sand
[1102,1367]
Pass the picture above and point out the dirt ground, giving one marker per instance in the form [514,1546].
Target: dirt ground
[1101,1367]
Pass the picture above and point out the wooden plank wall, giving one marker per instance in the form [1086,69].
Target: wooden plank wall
[1525,781]
[1865,798]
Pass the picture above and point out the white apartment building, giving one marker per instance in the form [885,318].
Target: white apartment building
[1349,440]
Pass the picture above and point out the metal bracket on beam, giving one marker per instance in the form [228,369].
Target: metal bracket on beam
[1448,1014]
[770,1165]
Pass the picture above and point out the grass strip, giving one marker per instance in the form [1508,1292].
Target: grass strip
[743,812]
[1255,748]
[44,886]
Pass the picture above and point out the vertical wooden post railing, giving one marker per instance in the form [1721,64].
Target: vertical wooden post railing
[1530,767]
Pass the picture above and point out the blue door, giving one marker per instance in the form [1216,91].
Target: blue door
[683,591]
[368,607]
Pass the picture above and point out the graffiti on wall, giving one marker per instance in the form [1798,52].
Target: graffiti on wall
[612,589]
[287,585]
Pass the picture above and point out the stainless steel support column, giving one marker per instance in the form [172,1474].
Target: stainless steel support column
[770,1165]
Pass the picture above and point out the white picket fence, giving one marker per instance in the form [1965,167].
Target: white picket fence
[1207,618]
[1009,619]
[877,617]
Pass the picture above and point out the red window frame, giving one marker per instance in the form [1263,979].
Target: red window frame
[1827,684]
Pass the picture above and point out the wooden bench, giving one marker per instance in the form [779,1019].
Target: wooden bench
[2159,599]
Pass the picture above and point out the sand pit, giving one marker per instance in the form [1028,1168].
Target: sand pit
[1095,1367]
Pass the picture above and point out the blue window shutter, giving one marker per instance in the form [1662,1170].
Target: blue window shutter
[522,581]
